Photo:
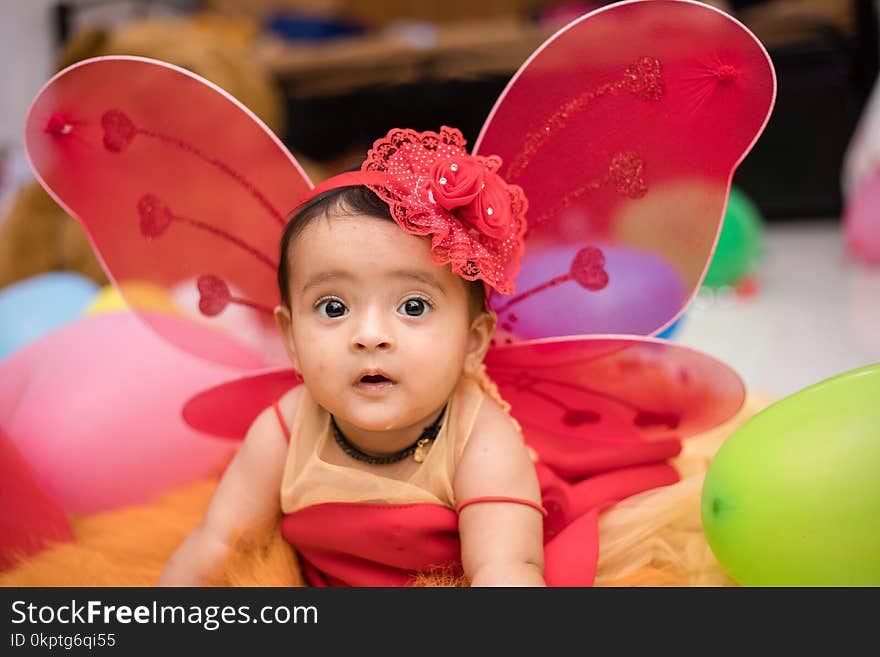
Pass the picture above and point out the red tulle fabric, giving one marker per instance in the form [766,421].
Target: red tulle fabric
[31,518]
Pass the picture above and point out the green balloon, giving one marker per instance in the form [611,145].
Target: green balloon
[740,244]
[793,496]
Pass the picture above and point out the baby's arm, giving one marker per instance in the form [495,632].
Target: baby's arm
[501,542]
[247,497]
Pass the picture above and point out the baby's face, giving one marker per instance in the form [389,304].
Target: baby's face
[379,333]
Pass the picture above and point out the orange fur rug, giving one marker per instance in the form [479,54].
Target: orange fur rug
[652,539]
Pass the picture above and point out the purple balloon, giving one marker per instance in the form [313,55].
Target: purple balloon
[643,293]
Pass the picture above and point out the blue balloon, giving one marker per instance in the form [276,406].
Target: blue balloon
[671,330]
[31,308]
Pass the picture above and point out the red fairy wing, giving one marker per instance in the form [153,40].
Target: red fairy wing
[227,410]
[177,184]
[612,390]
[624,130]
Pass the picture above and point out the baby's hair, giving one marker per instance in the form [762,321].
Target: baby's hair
[349,202]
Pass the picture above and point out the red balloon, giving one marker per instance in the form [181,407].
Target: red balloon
[29,518]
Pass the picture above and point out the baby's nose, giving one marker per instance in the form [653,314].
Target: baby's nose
[372,333]
[372,342]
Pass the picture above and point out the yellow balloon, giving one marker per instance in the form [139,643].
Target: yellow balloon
[142,296]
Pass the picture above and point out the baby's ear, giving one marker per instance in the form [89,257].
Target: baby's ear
[479,338]
[285,328]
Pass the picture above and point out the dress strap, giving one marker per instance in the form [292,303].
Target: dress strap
[499,498]
[281,420]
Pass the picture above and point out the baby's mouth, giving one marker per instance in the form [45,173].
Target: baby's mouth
[376,382]
[375,378]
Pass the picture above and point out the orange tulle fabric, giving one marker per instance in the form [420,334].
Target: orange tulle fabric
[656,538]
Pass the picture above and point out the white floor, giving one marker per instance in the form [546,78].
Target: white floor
[816,313]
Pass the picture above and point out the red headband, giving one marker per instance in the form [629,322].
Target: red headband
[434,187]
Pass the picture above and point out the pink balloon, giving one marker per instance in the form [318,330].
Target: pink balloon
[862,221]
[95,410]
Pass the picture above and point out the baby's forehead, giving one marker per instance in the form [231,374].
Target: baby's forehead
[363,248]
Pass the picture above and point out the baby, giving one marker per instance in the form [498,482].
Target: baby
[383,278]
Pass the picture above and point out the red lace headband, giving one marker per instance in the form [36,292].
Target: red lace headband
[433,187]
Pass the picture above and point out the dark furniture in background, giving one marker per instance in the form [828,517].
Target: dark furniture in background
[824,82]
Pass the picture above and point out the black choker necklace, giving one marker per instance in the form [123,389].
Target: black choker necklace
[418,449]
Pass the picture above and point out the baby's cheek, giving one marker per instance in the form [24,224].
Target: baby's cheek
[317,359]
[323,361]
[438,363]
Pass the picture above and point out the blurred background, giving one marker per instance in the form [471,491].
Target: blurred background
[793,295]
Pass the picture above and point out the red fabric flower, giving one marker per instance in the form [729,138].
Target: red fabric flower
[490,211]
[456,182]
[433,187]
[469,189]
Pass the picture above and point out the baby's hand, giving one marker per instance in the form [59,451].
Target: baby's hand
[247,496]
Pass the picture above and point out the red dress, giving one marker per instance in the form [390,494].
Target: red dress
[357,528]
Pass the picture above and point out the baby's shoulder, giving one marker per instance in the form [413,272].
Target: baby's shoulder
[494,417]
[289,403]
[495,457]
[267,426]
[494,431]
[265,445]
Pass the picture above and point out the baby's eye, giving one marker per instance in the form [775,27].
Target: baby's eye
[414,307]
[332,308]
